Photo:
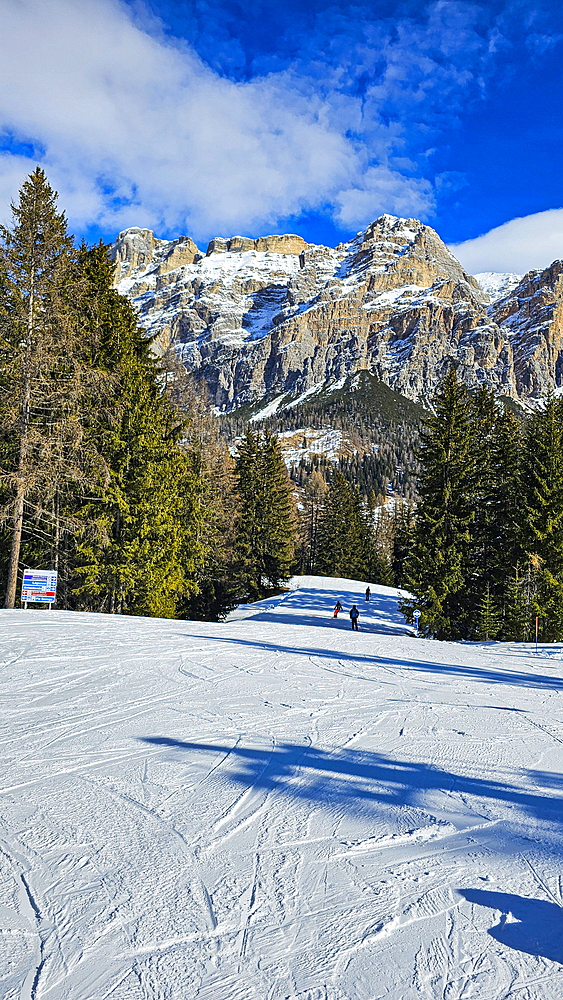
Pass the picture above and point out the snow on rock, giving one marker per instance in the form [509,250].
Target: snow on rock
[278,807]
[272,316]
[305,442]
[497,284]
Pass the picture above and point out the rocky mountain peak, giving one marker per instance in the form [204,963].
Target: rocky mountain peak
[275,314]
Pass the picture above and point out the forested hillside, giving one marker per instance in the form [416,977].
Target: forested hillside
[379,431]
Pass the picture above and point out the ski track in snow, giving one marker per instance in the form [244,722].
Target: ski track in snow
[276,808]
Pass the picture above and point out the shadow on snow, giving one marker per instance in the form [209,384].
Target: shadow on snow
[354,776]
[536,926]
[483,674]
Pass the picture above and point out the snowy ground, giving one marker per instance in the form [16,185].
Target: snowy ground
[276,807]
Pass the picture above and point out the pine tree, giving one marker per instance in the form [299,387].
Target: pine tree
[437,570]
[267,532]
[144,555]
[315,494]
[488,623]
[46,378]
[542,494]
[343,533]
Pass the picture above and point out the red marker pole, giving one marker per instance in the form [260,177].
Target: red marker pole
[536,635]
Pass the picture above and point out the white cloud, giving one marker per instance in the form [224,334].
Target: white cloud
[133,128]
[381,187]
[532,242]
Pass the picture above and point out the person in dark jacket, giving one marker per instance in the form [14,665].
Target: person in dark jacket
[354,615]
[337,608]
[368,592]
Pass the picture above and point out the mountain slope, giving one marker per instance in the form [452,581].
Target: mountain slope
[358,426]
[275,315]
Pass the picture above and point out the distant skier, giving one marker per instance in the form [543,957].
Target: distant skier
[337,608]
[368,592]
[354,615]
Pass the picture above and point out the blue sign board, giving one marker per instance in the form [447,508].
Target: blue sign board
[39,585]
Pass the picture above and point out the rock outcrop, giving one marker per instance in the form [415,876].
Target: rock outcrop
[275,314]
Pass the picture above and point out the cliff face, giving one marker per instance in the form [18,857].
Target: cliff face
[274,315]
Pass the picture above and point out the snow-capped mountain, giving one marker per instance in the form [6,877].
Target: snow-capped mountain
[497,284]
[276,315]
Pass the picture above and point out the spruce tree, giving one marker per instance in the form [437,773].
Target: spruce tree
[437,566]
[504,503]
[145,553]
[516,620]
[542,494]
[267,532]
[488,622]
[495,530]
[343,533]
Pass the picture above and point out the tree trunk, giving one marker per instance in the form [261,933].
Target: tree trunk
[15,551]
[24,434]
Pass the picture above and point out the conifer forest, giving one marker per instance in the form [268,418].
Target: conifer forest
[114,473]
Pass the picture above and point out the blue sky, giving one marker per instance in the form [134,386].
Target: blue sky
[216,117]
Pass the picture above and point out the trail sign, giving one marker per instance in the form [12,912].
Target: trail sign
[416,613]
[39,585]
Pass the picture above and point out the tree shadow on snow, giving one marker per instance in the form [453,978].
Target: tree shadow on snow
[354,777]
[342,622]
[483,674]
[372,613]
[531,925]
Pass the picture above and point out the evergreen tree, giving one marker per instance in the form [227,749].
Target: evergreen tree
[504,504]
[379,529]
[403,530]
[488,624]
[147,547]
[437,568]
[45,380]
[542,494]
[343,533]
[219,586]
[267,531]
[315,493]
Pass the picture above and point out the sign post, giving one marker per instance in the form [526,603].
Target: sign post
[537,620]
[39,586]
[416,615]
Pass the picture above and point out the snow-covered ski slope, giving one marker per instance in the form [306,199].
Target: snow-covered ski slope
[276,807]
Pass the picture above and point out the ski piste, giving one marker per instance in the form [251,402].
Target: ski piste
[278,807]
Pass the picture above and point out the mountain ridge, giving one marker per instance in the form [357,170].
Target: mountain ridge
[276,315]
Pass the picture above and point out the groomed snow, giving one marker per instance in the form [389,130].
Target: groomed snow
[276,807]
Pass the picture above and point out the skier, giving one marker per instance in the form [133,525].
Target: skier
[368,592]
[337,608]
[354,615]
